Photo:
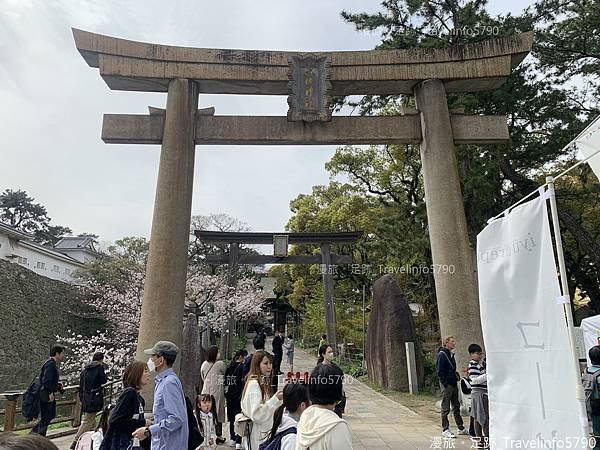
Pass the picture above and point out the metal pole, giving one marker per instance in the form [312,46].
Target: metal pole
[364,327]
[580,395]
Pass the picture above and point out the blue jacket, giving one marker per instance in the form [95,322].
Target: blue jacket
[170,429]
[446,367]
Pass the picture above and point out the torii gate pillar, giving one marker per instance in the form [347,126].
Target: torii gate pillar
[166,270]
[457,299]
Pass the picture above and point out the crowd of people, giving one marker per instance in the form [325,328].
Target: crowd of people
[305,413]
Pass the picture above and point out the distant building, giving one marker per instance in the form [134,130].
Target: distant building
[58,263]
[79,248]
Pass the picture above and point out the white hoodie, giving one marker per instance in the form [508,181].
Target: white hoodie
[322,429]
[289,441]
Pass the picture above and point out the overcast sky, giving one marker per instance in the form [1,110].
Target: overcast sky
[51,107]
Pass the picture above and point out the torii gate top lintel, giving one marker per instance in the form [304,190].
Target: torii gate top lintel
[324,240]
[139,66]
[242,237]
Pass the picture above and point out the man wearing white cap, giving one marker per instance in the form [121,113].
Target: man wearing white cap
[170,428]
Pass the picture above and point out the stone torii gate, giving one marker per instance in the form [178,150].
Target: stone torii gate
[233,259]
[309,79]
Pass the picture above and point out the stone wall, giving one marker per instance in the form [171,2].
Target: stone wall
[33,310]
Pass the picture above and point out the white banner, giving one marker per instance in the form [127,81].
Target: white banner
[531,374]
[588,143]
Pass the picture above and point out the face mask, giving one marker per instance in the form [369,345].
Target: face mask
[151,366]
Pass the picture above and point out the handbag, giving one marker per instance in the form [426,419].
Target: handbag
[242,425]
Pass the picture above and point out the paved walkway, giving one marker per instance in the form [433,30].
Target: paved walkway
[376,422]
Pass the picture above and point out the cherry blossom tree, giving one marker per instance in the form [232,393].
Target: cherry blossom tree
[120,308]
[217,301]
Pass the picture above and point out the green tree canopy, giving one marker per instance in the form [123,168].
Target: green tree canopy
[18,210]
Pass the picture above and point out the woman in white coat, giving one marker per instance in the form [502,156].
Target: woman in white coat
[212,373]
[258,401]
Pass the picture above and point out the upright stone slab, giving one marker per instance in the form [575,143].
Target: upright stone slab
[455,278]
[190,356]
[164,289]
[390,327]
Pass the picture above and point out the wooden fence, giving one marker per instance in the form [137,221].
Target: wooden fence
[14,421]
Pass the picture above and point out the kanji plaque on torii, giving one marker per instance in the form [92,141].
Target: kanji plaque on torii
[309,88]
[428,74]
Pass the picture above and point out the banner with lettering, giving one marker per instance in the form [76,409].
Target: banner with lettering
[531,375]
[588,144]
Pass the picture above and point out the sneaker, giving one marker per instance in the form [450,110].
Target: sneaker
[231,443]
[448,434]
[238,446]
[220,440]
[463,431]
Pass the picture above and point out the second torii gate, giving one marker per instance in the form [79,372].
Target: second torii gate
[309,80]
[233,259]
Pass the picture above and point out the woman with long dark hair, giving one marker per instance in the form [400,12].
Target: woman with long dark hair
[258,400]
[325,354]
[285,420]
[326,357]
[128,414]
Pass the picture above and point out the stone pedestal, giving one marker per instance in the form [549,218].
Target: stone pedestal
[455,277]
[164,289]
[390,327]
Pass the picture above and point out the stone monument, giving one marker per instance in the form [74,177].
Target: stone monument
[390,327]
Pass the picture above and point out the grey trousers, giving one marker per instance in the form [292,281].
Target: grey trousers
[450,396]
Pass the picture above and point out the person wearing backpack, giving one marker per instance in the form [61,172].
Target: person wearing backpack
[479,395]
[91,394]
[591,385]
[319,427]
[258,400]
[446,371]
[49,385]
[285,420]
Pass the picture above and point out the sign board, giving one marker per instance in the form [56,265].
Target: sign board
[280,245]
[309,86]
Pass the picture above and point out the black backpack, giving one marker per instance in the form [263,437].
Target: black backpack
[590,386]
[30,407]
[275,443]
[195,438]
